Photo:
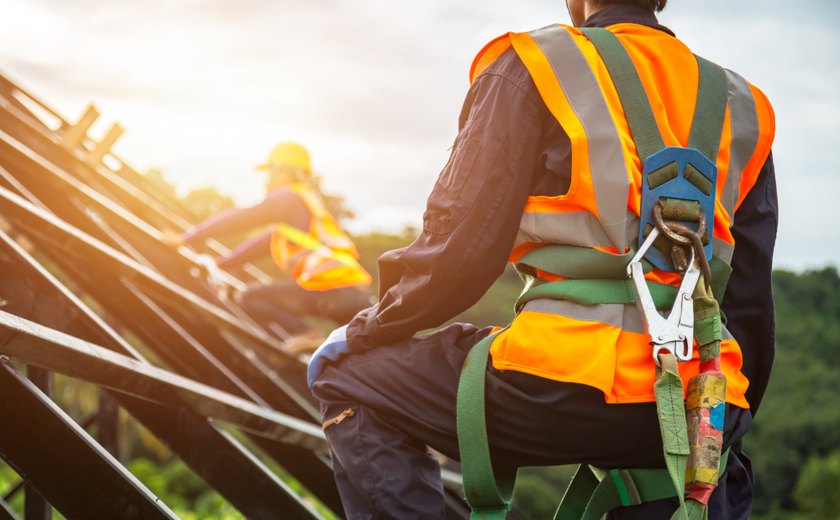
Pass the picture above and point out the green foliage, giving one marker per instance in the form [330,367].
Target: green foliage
[8,480]
[816,491]
[206,202]
[180,489]
[539,490]
[799,418]
[495,308]
[372,245]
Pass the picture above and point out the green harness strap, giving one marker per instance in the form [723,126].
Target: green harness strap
[590,494]
[594,492]
[488,500]
[598,277]
[709,110]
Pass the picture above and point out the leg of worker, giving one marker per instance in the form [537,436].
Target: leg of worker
[403,396]
[340,305]
[279,302]
[381,464]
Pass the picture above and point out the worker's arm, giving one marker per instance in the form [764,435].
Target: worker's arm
[257,247]
[279,206]
[472,214]
[748,302]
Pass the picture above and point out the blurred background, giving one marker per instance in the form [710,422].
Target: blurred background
[373,88]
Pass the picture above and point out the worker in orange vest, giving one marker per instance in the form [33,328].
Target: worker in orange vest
[551,157]
[325,279]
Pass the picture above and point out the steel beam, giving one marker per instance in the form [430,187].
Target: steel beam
[61,238]
[6,512]
[306,466]
[251,487]
[65,465]
[41,346]
[64,236]
[36,507]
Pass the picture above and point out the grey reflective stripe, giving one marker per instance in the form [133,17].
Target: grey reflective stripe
[579,228]
[723,250]
[606,153]
[625,317]
[744,120]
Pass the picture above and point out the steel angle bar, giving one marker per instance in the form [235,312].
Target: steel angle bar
[176,346]
[51,143]
[28,272]
[41,346]
[248,484]
[312,469]
[260,374]
[86,208]
[179,339]
[64,193]
[65,465]
[174,341]
[125,185]
[35,506]
[291,378]
[6,511]
[188,435]
[238,358]
[42,223]
[9,88]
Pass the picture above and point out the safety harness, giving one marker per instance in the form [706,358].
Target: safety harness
[678,199]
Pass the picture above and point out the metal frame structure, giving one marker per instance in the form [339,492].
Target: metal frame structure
[89,290]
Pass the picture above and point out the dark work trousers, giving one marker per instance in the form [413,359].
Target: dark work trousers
[403,398]
[288,304]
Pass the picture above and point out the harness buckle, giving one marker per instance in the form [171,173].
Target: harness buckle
[674,333]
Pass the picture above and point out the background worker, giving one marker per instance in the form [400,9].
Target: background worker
[305,241]
[558,387]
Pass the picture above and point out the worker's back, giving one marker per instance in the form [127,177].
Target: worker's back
[605,345]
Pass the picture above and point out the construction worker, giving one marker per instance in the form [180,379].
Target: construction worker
[545,156]
[305,241]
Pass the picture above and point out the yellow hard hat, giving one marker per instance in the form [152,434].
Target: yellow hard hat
[287,154]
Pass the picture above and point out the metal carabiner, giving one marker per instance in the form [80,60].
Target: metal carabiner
[676,332]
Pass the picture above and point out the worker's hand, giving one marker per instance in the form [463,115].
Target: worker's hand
[206,267]
[330,351]
[171,238]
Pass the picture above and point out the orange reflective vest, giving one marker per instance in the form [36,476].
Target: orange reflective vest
[321,258]
[605,345]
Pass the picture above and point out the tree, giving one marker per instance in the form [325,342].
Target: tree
[816,491]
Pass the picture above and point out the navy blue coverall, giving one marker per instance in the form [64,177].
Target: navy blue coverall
[402,388]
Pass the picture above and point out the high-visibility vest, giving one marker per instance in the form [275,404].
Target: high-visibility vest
[605,346]
[321,258]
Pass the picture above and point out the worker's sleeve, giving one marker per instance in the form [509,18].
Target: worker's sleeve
[748,302]
[471,219]
[257,247]
[279,206]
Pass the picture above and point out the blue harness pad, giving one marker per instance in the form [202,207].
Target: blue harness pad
[688,161]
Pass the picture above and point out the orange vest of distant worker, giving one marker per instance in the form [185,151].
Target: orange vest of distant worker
[321,258]
[605,345]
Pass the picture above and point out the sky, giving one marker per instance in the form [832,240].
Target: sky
[205,88]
